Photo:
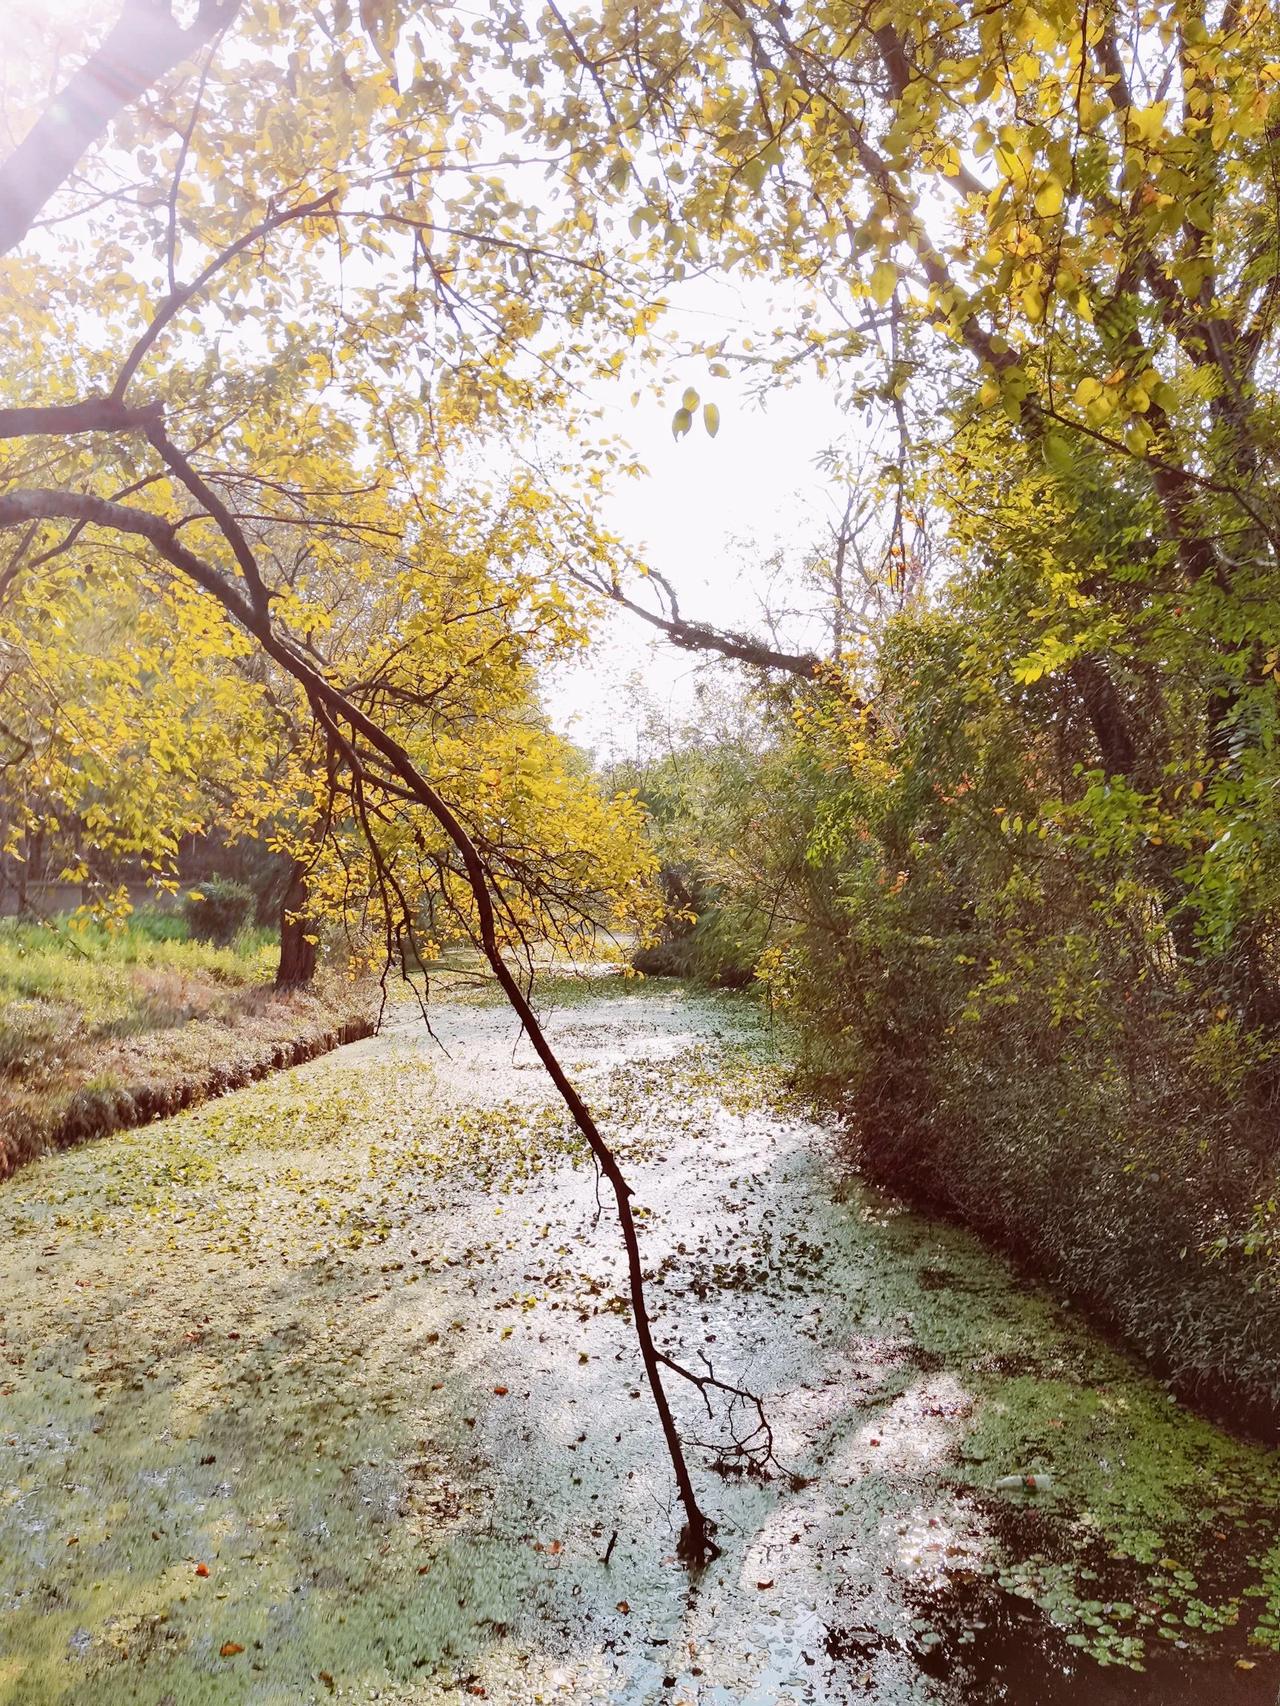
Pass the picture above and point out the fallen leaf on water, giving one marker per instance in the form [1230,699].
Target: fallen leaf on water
[229,1649]
[763,1585]
[1245,1664]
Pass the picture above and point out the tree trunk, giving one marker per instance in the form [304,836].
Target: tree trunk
[297,953]
[145,44]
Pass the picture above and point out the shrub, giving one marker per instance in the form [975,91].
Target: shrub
[989,978]
[219,910]
[157,924]
[704,938]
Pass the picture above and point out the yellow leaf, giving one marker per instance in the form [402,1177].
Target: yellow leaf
[884,281]
[1049,198]
[1148,122]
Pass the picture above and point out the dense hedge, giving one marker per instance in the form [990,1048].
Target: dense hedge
[1047,996]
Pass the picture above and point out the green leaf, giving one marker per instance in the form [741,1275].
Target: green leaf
[1058,453]
[711,419]
[690,399]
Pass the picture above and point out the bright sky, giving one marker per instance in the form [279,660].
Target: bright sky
[706,516]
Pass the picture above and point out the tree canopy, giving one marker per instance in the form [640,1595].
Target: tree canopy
[305,309]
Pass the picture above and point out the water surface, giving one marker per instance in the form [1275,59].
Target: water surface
[328,1391]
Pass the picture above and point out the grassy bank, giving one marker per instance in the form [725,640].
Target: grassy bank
[101,1030]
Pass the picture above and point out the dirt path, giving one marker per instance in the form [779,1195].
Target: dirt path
[326,1391]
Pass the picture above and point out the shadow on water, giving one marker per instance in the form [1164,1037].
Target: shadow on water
[1001,1653]
[998,1648]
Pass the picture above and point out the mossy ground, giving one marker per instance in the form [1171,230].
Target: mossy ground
[327,1391]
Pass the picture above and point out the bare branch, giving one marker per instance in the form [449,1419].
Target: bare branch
[91,414]
[702,637]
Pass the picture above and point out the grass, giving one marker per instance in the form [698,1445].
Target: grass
[143,1010]
[95,971]
[62,987]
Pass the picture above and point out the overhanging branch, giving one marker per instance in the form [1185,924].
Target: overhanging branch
[34,504]
[701,637]
[145,44]
[91,414]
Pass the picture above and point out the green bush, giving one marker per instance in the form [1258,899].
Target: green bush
[993,980]
[219,910]
[706,937]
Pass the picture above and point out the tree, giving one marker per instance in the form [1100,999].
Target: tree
[1052,228]
[1109,262]
[211,410]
